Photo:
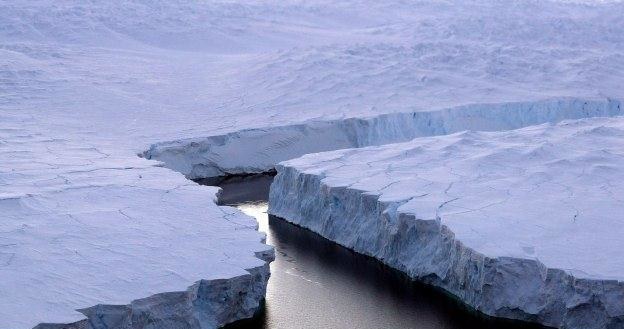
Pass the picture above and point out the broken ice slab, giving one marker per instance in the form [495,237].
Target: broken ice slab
[524,224]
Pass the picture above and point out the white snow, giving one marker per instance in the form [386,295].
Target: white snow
[82,227]
[258,150]
[490,216]
[85,86]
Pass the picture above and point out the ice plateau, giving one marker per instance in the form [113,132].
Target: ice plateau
[207,88]
[523,224]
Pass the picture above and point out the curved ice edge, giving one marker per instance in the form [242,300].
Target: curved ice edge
[205,304]
[258,150]
[427,250]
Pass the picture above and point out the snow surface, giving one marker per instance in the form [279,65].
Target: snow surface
[258,150]
[493,217]
[80,228]
[85,86]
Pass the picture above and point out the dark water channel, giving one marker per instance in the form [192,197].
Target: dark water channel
[316,283]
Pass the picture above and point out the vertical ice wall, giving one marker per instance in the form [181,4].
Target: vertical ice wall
[524,224]
[258,150]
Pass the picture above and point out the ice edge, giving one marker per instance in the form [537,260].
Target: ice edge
[475,279]
[205,304]
[258,150]
[427,250]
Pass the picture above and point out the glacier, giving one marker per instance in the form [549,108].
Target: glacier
[522,224]
[106,108]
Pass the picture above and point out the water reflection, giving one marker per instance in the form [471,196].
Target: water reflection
[318,284]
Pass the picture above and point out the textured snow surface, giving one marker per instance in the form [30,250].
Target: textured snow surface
[524,224]
[81,227]
[85,86]
[258,150]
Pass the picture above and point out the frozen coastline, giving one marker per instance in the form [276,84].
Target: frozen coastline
[229,87]
[259,150]
[112,243]
[521,224]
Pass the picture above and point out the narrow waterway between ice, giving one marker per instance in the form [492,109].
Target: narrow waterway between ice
[316,283]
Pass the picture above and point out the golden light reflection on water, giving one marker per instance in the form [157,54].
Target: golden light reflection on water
[317,284]
[258,210]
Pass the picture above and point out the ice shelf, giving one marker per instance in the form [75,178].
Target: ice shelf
[204,88]
[99,241]
[524,224]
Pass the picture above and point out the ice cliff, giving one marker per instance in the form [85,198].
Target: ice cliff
[92,239]
[258,150]
[523,224]
[209,87]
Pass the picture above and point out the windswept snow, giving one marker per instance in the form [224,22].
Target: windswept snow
[85,86]
[524,224]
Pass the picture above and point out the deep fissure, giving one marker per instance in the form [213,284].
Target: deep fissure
[341,279]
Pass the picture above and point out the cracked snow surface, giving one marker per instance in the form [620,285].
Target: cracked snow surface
[524,224]
[83,226]
[212,87]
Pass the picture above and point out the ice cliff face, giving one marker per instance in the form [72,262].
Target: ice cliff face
[111,239]
[237,86]
[258,150]
[523,224]
[206,304]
